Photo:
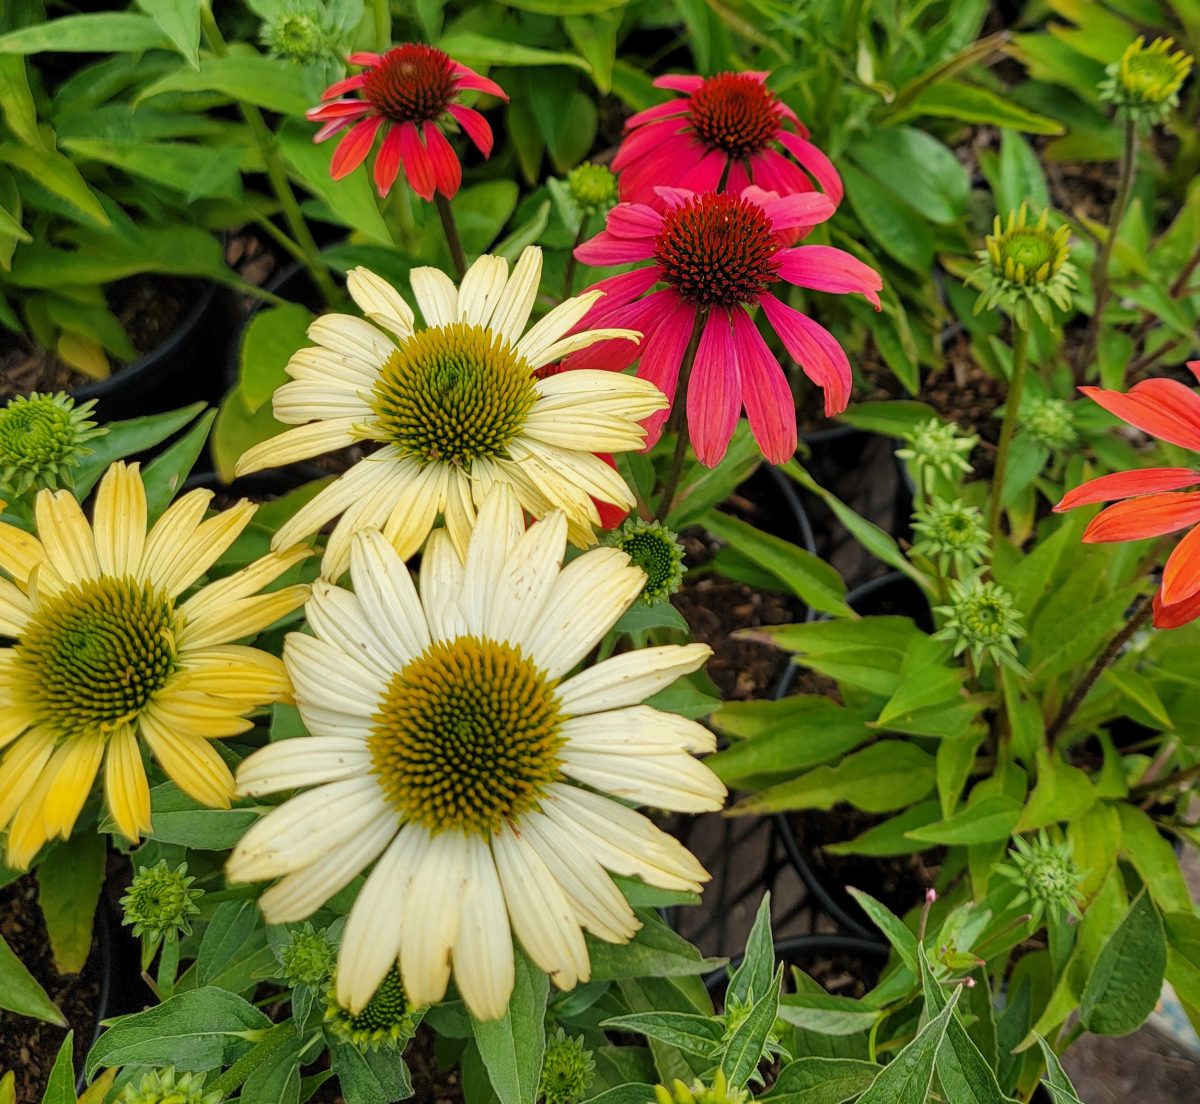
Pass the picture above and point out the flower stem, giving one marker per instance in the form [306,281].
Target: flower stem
[383,25]
[1176,779]
[450,228]
[1138,616]
[678,421]
[263,1050]
[276,172]
[1100,288]
[1012,408]
[572,263]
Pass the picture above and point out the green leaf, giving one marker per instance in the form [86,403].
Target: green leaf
[266,82]
[477,49]
[827,1014]
[891,925]
[988,819]
[888,775]
[1140,691]
[60,1088]
[1062,793]
[972,104]
[1016,175]
[512,1046]
[109,32]
[1057,1083]
[812,580]
[908,1078]
[750,980]
[201,1029]
[918,169]
[272,337]
[482,211]
[1095,838]
[69,880]
[891,837]
[234,933]
[686,1031]
[655,952]
[595,37]
[376,1077]
[744,1050]
[815,1080]
[632,1093]
[16,100]
[57,174]
[196,171]
[895,227]
[180,22]
[165,474]
[1126,982]
[1154,860]
[178,819]
[128,438]
[20,991]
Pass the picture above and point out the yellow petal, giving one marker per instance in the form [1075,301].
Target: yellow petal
[125,784]
[243,618]
[191,763]
[234,672]
[119,520]
[14,609]
[171,534]
[20,769]
[299,444]
[20,552]
[71,772]
[198,715]
[243,583]
[190,559]
[66,536]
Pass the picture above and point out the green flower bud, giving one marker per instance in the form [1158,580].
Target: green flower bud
[160,902]
[951,533]
[385,1021]
[936,448]
[42,440]
[1145,82]
[593,188]
[295,35]
[736,1011]
[165,1086]
[656,550]
[308,959]
[1025,265]
[1050,422]
[699,1093]
[1045,872]
[567,1069]
[981,619]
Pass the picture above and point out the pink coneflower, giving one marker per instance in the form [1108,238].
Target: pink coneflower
[726,129]
[407,94]
[719,254]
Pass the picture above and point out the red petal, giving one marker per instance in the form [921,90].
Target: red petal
[770,407]
[445,162]
[610,516]
[1181,575]
[714,394]
[1194,368]
[338,109]
[679,82]
[1148,516]
[1164,408]
[1109,488]
[824,268]
[387,161]
[1177,614]
[418,169]
[365,57]
[475,126]
[347,85]
[815,349]
[353,149]
[468,78]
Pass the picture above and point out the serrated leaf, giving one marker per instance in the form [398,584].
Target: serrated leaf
[686,1031]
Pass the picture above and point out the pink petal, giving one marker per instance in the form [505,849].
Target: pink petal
[468,78]
[815,349]
[604,249]
[738,180]
[644,141]
[1127,484]
[714,395]
[633,221]
[765,391]
[655,113]
[662,356]
[418,168]
[816,163]
[674,197]
[775,172]
[824,268]
[475,126]
[706,174]
[679,82]
[387,161]
[347,85]
[788,212]
[445,161]
[338,109]
[330,129]
[365,57]
[353,149]
[615,355]
[619,291]
[1194,368]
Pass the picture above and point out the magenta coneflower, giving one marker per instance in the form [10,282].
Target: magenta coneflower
[407,94]
[723,135]
[719,254]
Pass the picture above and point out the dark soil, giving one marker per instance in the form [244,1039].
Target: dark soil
[149,307]
[963,392]
[873,382]
[28,1047]
[842,973]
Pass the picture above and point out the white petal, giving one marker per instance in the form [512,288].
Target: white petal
[483,951]
[596,390]
[581,340]
[517,299]
[380,302]
[541,915]
[637,727]
[337,617]
[481,289]
[630,678]
[303,761]
[577,473]
[547,330]
[498,526]
[371,510]
[308,400]
[323,721]
[622,840]
[315,362]
[526,581]
[432,912]
[388,597]
[352,337]
[307,827]
[300,443]
[667,781]
[458,509]
[325,675]
[373,932]
[299,895]
[436,295]
[441,582]
[587,598]
[416,509]
[584,432]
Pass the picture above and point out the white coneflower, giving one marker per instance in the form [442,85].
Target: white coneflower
[456,407]
[448,743]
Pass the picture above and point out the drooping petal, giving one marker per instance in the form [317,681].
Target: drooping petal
[770,407]
[1181,574]
[607,249]
[662,356]
[1147,516]
[1109,488]
[475,126]
[815,349]
[387,161]
[1164,408]
[350,84]
[714,398]
[815,162]
[353,149]
[418,168]
[824,268]
[446,168]
[1177,615]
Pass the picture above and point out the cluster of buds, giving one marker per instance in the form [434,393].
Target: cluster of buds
[936,449]
[567,1069]
[386,1020]
[160,904]
[951,533]
[1045,873]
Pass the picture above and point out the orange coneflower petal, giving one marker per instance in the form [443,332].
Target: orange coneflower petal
[1144,481]
[1149,516]
[1181,576]
[1164,408]
[1177,614]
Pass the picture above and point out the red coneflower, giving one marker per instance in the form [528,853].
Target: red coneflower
[725,128]
[1154,501]
[718,255]
[407,94]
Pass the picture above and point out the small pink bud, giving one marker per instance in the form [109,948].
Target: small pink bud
[930,896]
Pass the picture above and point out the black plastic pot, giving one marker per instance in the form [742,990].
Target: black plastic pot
[185,368]
[113,964]
[805,951]
[893,593]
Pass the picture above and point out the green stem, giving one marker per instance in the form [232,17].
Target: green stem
[572,263]
[275,1039]
[276,172]
[1100,288]
[1012,408]
[383,25]
[678,421]
[1179,777]
[450,228]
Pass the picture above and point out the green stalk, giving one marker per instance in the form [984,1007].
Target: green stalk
[450,229]
[276,172]
[382,10]
[1100,287]
[274,1039]
[1012,409]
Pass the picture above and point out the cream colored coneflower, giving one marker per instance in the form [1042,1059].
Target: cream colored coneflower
[456,407]
[106,656]
[450,742]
